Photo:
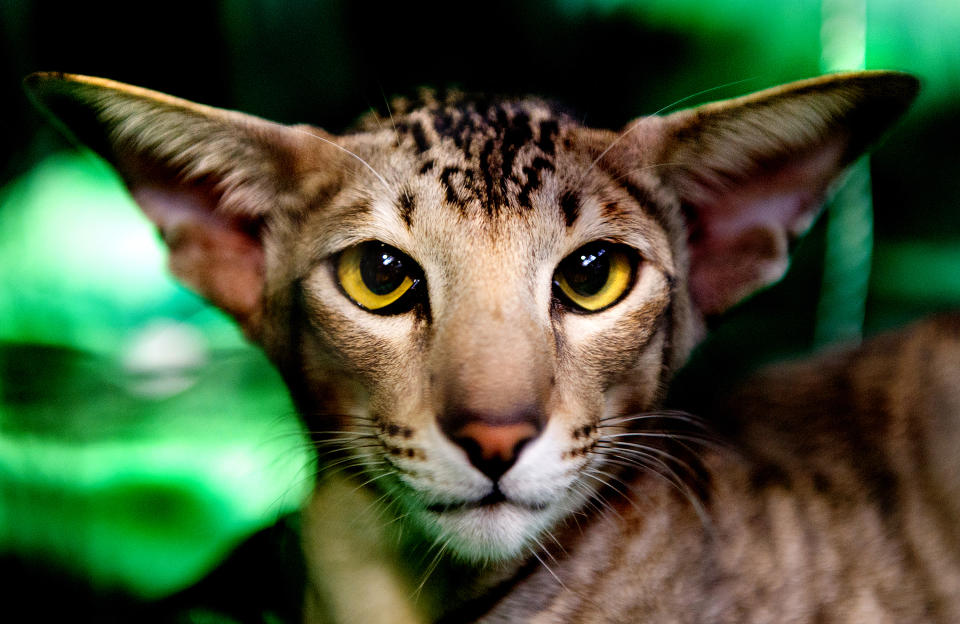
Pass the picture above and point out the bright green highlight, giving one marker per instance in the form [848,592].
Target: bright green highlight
[80,264]
[927,272]
[141,437]
[147,515]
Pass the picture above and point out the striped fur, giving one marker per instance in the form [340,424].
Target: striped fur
[493,453]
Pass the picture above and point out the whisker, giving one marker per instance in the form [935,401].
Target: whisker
[704,92]
[430,568]
[663,470]
[643,450]
[299,478]
[609,480]
[630,172]
[671,477]
[341,436]
[396,133]
[326,445]
[637,459]
[660,434]
[548,569]
[365,417]
[554,539]
[545,550]
[638,122]
[599,504]
[338,432]
[345,444]
[358,459]
[661,415]
[628,450]
[572,514]
[376,116]
[371,480]
[396,518]
[592,499]
[380,508]
[343,149]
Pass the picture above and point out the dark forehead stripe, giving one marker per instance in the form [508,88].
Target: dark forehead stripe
[507,147]
[503,151]
[406,204]
[534,181]
[486,154]
[570,206]
[643,197]
[516,132]
[454,181]
[419,137]
[549,129]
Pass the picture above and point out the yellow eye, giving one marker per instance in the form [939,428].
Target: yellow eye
[376,277]
[596,276]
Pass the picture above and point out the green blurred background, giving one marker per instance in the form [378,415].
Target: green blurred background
[149,458]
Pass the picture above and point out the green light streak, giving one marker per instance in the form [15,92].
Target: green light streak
[849,248]
[843,35]
[843,295]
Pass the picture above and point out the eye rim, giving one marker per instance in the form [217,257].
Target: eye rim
[399,304]
[626,254]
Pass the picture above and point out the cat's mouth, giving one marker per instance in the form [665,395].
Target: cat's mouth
[492,528]
[494,498]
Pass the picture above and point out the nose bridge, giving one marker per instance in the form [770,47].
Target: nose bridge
[492,362]
[491,354]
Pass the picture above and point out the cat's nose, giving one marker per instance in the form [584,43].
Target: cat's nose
[492,447]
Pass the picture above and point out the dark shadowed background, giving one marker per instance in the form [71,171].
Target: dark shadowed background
[149,459]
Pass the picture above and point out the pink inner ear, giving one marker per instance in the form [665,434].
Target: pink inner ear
[211,253]
[740,235]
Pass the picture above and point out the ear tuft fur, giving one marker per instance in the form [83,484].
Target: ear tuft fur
[144,133]
[751,173]
[208,178]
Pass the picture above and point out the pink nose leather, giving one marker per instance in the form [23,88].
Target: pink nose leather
[493,449]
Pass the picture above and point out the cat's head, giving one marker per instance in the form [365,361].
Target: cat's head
[477,296]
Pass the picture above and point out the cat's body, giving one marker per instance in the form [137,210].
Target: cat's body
[838,504]
[477,307]
[834,499]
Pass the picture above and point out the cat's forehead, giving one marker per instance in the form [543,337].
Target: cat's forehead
[454,114]
[490,156]
[485,173]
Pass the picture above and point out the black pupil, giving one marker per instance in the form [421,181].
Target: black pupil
[381,268]
[587,270]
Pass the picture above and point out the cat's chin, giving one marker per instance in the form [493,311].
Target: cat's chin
[490,533]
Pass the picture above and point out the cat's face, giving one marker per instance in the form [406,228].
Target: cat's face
[474,319]
[475,303]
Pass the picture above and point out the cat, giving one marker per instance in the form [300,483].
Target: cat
[477,306]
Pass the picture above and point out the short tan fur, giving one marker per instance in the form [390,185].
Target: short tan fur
[484,301]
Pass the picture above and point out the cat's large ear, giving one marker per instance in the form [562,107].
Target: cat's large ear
[208,178]
[751,173]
